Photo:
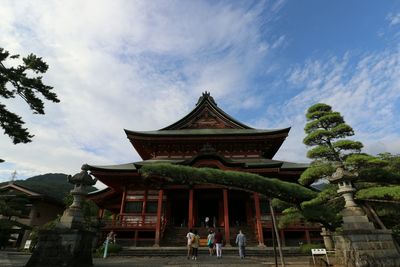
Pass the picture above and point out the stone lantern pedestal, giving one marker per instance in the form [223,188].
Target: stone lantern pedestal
[69,244]
[360,244]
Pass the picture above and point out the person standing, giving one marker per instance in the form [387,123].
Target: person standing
[210,242]
[111,237]
[189,237]
[218,243]
[195,245]
[241,242]
[207,220]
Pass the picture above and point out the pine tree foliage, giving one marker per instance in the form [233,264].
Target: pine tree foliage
[326,131]
[378,176]
[177,174]
[24,81]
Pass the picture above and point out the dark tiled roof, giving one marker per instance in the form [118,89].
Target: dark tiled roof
[207,132]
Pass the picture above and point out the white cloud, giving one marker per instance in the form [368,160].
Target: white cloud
[364,89]
[125,64]
[393,19]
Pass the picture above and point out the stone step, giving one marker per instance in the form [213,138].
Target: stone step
[174,236]
[179,251]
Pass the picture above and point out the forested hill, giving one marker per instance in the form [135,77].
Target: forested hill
[54,185]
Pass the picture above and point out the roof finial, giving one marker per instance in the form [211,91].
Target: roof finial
[206,95]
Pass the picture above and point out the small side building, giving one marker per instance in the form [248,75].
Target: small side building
[39,209]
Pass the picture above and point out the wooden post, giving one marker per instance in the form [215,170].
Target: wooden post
[114,217]
[100,214]
[258,219]
[158,223]
[283,240]
[190,219]
[226,218]
[308,236]
[121,209]
[274,245]
[144,207]
[276,233]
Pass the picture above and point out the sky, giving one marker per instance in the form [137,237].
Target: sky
[142,65]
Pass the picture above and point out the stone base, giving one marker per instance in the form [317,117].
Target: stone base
[367,248]
[72,219]
[63,247]
[355,218]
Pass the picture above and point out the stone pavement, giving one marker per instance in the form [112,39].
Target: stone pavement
[17,259]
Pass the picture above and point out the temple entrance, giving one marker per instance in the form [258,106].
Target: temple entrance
[179,208]
[207,202]
[238,208]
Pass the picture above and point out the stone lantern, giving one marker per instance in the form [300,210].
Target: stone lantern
[353,216]
[73,217]
[359,243]
[69,244]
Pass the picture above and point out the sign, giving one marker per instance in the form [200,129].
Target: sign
[319,251]
[27,244]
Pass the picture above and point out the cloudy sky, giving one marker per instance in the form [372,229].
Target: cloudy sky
[142,65]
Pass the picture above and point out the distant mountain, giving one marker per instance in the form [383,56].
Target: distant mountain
[320,185]
[54,185]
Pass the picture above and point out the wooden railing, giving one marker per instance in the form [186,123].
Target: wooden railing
[134,222]
[266,222]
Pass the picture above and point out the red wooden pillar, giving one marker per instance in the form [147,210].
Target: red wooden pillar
[100,214]
[190,219]
[258,219]
[144,207]
[114,217]
[121,208]
[226,218]
[158,223]
[283,240]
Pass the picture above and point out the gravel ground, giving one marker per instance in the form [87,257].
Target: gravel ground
[15,259]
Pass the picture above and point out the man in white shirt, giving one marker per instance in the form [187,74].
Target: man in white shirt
[189,237]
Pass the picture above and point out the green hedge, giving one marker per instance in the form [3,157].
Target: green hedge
[177,174]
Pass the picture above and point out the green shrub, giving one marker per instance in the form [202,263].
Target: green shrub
[306,248]
[112,249]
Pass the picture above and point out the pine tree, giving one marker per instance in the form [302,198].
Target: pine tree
[24,81]
[326,132]
[378,177]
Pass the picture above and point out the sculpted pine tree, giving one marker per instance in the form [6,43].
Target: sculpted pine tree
[23,81]
[326,132]
[378,177]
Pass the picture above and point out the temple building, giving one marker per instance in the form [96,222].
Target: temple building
[149,214]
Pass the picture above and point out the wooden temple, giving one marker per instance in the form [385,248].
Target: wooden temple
[150,214]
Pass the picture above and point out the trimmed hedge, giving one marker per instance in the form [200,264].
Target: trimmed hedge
[177,174]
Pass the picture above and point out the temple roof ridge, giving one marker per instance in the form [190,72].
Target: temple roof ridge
[206,115]
[205,95]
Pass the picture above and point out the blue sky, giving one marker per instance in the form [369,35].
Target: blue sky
[142,65]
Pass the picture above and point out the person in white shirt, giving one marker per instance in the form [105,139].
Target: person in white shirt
[190,238]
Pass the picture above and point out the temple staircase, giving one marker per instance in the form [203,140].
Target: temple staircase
[174,244]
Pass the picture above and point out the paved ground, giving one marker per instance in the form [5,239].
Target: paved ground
[17,259]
